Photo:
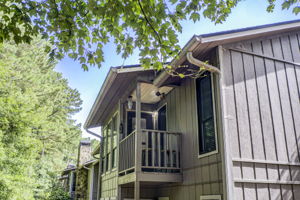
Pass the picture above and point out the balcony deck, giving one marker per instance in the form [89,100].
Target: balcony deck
[159,161]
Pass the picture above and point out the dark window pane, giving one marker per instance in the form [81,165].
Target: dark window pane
[162,118]
[145,117]
[113,159]
[207,140]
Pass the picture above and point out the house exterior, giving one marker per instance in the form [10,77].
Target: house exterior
[68,180]
[81,181]
[232,133]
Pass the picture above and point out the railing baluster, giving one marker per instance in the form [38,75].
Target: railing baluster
[165,149]
[153,148]
[146,149]
[171,149]
[159,149]
[177,150]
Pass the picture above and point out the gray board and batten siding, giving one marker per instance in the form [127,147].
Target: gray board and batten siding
[201,176]
[261,112]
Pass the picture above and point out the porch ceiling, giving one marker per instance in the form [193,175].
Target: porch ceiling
[149,93]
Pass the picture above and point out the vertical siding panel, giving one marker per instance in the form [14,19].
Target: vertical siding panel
[265,108]
[241,105]
[180,95]
[275,192]
[296,55]
[275,103]
[242,114]
[258,145]
[249,191]
[254,112]
[294,94]
[287,192]
[296,191]
[287,121]
[238,192]
[276,114]
[185,123]
[230,118]
[293,107]
[288,53]
[190,115]
[262,192]
[229,108]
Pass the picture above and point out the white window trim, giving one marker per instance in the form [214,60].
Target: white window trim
[210,197]
[215,121]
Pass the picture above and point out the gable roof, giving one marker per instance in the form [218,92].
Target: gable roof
[200,45]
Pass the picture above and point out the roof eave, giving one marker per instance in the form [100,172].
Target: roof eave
[104,89]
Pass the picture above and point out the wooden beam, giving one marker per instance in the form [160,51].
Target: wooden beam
[138,141]
[265,162]
[258,181]
[264,56]
[227,166]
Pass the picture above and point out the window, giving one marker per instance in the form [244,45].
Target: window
[107,162]
[114,142]
[206,115]
[146,121]
[110,133]
[162,118]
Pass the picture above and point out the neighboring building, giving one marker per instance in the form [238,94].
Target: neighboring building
[81,181]
[233,134]
[68,180]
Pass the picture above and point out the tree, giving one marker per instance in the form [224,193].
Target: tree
[81,28]
[38,138]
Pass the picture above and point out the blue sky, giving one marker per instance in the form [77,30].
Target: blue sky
[247,13]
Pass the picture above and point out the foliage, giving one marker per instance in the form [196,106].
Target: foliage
[58,193]
[81,28]
[38,138]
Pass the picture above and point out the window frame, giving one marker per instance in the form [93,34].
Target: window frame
[107,156]
[213,90]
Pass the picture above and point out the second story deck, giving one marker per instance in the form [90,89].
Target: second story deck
[159,156]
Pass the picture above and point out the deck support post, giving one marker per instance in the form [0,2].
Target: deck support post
[138,141]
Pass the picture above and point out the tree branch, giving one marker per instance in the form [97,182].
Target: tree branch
[148,22]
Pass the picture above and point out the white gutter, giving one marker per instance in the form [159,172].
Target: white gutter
[190,46]
[199,63]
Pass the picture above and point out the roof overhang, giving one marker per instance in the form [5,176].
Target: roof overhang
[117,81]
[202,44]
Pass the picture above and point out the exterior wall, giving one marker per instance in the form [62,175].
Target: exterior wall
[109,185]
[262,118]
[201,176]
[109,179]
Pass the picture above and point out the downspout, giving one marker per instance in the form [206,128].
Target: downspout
[100,160]
[199,63]
[94,134]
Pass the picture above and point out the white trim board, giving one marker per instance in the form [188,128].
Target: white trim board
[210,197]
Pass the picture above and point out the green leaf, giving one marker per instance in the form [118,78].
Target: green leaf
[296,10]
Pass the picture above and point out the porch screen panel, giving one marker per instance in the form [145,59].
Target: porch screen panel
[205,110]
[114,141]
